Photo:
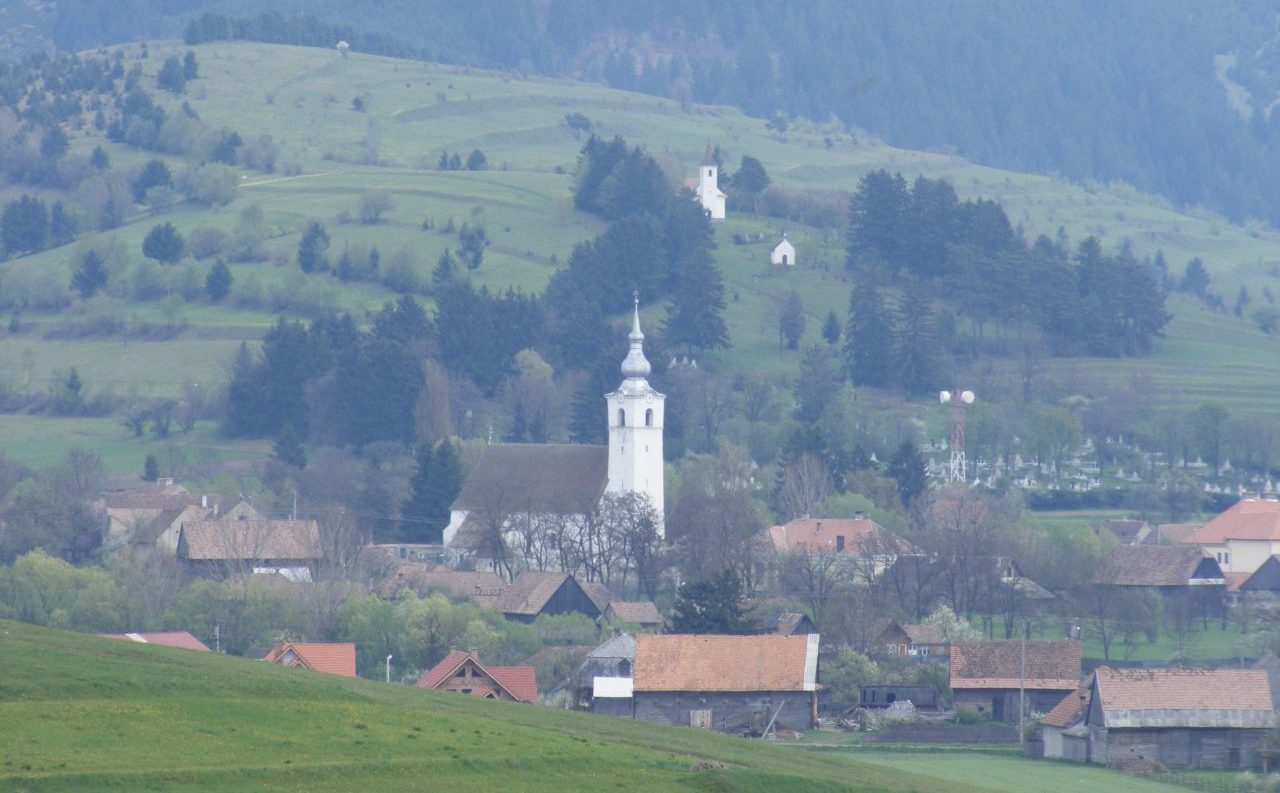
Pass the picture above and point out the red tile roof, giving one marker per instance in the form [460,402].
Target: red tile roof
[636,612]
[180,639]
[999,664]
[1155,565]
[697,662]
[1184,697]
[861,536]
[249,540]
[1247,519]
[333,659]
[1072,707]
[520,682]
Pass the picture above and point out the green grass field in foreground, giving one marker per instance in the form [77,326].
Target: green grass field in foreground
[1006,774]
[82,713]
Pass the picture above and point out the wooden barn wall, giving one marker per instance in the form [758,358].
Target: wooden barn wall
[732,712]
[1233,749]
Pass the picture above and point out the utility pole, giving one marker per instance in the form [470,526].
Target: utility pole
[1022,689]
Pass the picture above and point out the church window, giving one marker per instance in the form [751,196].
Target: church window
[784,258]
[622,417]
[648,417]
[708,172]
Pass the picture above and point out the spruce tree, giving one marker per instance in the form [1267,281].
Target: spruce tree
[288,448]
[443,485]
[696,318]
[868,340]
[312,248]
[218,282]
[907,468]
[831,329]
[415,511]
[151,468]
[714,605]
[90,274]
[918,351]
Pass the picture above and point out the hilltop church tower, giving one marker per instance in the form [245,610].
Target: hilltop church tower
[635,427]
[709,194]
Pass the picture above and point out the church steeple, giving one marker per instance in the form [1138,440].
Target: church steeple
[635,365]
[635,424]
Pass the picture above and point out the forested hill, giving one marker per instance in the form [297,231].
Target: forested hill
[1092,89]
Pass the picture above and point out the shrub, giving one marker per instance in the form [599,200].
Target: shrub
[205,242]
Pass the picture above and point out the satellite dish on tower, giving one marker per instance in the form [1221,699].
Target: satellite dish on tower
[967,397]
[944,397]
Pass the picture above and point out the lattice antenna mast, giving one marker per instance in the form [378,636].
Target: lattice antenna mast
[958,400]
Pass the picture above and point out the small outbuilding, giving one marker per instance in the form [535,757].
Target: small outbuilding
[784,253]
[735,684]
[536,592]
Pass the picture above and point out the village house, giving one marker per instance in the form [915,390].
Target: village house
[1062,729]
[986,676]
[331,658]
[461,671]
[535,593]
[643,614]
[613,660]
[1130,532]
[789,623]
[867,546]
[243,542]
[178,639]
[1242,537]
[783,254]
[1263,585]
[918,640]
[1179,718]
[735,684]
[481,588]
[521,500]
[149,517]
[1166,569]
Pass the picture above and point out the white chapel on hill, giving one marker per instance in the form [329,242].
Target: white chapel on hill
[556,484]
[708,192]
[784,253]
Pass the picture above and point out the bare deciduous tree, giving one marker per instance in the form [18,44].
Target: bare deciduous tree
[806,485]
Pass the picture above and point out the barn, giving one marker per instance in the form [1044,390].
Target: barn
[746,685]
[1180,718]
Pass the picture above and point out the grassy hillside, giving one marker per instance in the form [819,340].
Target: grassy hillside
[82,713]
[412,112]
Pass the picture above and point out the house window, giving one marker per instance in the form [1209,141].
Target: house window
[622,417]
[648,417]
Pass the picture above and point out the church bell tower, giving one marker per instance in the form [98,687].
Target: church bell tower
[635,426]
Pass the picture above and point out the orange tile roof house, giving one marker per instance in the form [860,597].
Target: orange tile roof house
[1162,567]
[986,675]
[333,659]
[461,671]
[735,684]
[1062,729]
[1179,718]
[1243,536]
[179,639]
[243,543]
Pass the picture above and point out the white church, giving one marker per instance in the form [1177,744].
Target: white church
[783,254]
[708,191]
[532,489]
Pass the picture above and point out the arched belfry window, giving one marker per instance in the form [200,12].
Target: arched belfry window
[708,172]
[648,417]
[622,417]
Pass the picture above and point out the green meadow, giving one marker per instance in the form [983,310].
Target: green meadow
[82,713]
[332,153]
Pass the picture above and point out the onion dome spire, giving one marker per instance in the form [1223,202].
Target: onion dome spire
[635,365]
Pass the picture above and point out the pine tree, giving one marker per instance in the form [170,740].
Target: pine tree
[917,352]
[288,448]
[868,340]
[151,468]
[831,329]
[791,321]
[907,468]
[164,244]
[312,248]
[446,269]
[218,282]
[715,605]
[443,485]
[90,274]
[172,77]
[190,68]
[696,319]
[415,511]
